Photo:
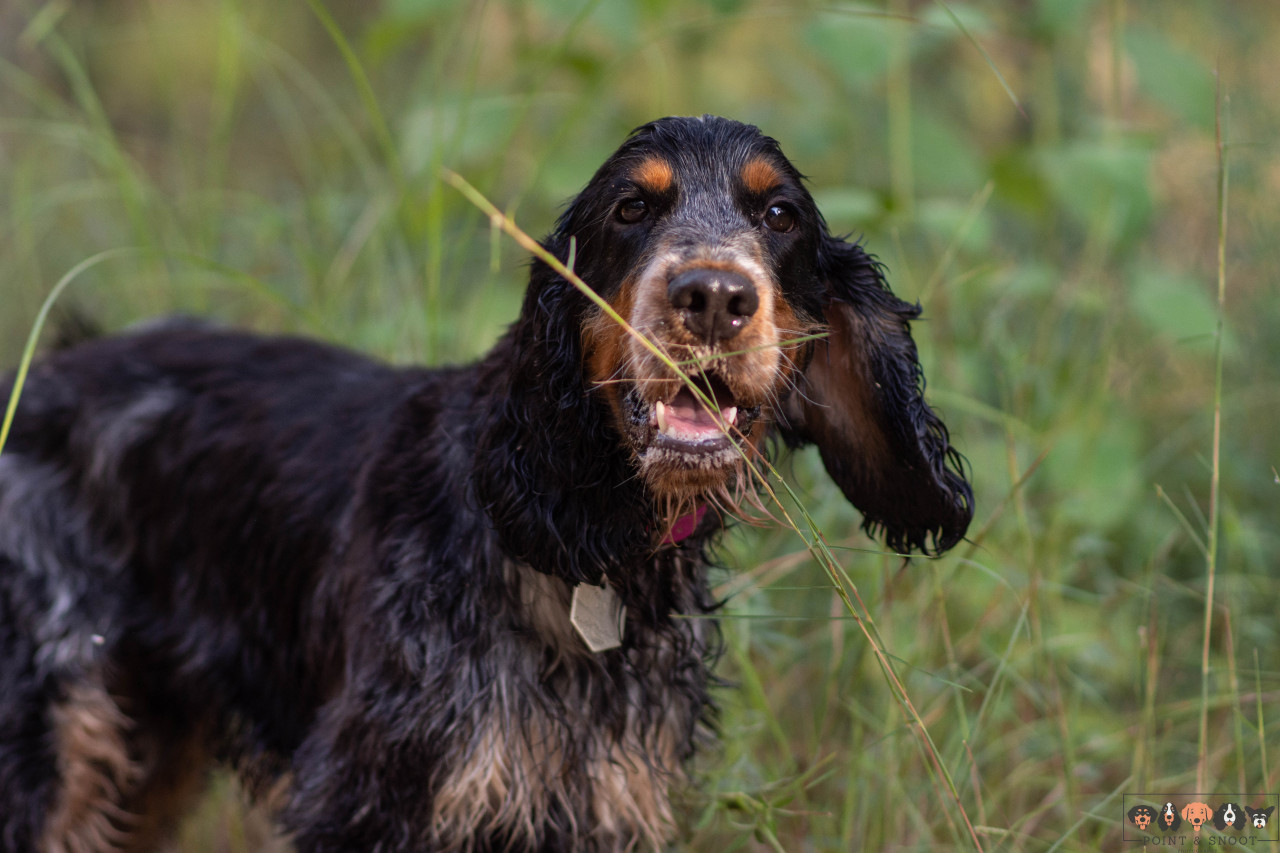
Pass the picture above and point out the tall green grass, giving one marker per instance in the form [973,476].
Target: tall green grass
[1044,177]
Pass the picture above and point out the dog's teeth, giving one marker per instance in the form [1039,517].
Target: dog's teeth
[660,415]
[730,415]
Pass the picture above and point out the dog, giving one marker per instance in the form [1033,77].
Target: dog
[439,609]
[1259,817]
[1141,816]
[1229,815]
[1196,814]
[1169,818]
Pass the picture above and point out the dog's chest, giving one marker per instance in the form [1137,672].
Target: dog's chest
[568,745]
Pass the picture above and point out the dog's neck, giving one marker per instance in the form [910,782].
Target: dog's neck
[544,602]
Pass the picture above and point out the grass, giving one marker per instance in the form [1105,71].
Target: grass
[1043,177]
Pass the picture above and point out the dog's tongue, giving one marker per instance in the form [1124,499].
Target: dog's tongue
[689,414]
[688,417]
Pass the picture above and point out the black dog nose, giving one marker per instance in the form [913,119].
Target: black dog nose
[715,304]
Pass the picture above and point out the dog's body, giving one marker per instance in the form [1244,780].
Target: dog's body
[352,583]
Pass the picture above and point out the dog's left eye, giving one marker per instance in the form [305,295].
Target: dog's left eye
[632,210]
[780,219]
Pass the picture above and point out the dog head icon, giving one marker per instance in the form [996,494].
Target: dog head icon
[1141,816]
[1196,814]
[1169,819]
[1259,817]
[1229,815]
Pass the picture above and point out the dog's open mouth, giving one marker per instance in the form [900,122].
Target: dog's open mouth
[694,429]
[687,418]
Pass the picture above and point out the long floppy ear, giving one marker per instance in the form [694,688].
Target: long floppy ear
[862,402]
[546,459]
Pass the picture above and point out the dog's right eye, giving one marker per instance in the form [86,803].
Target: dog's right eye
[632,210]
[779,218]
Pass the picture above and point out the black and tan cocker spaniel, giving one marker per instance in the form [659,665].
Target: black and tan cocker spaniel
[438,609]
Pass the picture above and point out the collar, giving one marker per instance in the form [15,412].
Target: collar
[684,526]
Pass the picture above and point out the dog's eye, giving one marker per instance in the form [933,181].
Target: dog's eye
[633,210]
[779,219]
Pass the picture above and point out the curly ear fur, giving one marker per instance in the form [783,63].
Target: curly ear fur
[862,403]
[547,460]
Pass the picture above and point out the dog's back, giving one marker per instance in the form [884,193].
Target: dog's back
[166,501]
[263,552]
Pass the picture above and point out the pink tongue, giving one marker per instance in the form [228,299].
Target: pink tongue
[688,414]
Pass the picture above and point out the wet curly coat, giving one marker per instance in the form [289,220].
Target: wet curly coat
[350,582]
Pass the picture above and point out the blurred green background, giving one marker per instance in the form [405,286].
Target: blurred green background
[1043,175]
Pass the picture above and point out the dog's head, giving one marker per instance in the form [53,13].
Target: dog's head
[1196,814]
[1141,816]
[700,234]
[1259,817]
[1228,815]
[747,317]
[1169,819]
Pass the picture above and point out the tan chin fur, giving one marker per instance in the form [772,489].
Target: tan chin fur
[727,481]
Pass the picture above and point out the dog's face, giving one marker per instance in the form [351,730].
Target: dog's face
[1196,814]
[1141,816]
[1169,819]
[1229,815]
[700,235]
[701,238]
[706,243]
[1259,816]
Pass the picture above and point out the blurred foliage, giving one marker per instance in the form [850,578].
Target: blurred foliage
[1041,174]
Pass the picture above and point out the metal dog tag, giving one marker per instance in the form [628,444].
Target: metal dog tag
[598,616]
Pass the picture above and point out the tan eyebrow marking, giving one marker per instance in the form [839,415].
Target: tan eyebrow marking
[654,174]
[759,176]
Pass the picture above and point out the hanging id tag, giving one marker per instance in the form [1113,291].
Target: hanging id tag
[598,616]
